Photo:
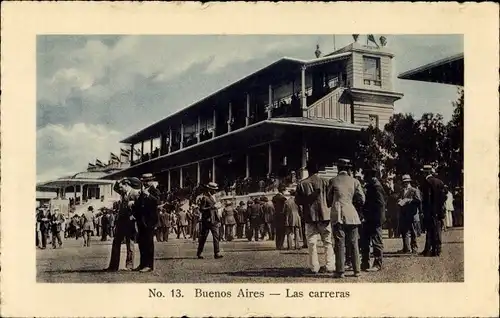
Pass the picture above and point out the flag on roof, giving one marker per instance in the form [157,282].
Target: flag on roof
[114,158]
[90,166]
[99,163]
[124,152]
[371,38]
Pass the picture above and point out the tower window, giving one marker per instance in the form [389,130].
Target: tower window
[371,71]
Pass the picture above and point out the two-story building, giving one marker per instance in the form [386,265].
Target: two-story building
[271,121]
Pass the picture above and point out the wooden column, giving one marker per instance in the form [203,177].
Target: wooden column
[230,115]
[180,178]
[168,181]
[151,147]
[169,139]
[198,172]
[270,96]
[247,166]
[161,144]
[269,158]
[74,195]
[213,169]
[142,149]
[247,119]
[304,158]
[198,130]
[214,124]
[131,153]
[303,91]
[182,135]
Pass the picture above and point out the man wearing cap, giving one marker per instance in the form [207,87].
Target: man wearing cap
[254,211]
[267,218]
[433,206]
[57,219]
[409,204]
[311,195]
[292,221]
[343,192]
[240,219]
[128,188]
[145,211]
[374,217]
[210,220]
[279,217]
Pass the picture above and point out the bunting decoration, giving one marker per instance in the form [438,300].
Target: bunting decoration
[114,158]
[99,163]
[124,152]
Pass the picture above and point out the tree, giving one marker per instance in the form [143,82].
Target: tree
[371,149]
[453,154]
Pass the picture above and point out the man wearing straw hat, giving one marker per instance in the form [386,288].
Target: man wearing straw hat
[210,219]
[433,206]
[409,204]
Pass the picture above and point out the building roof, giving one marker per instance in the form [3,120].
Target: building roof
[449,70]
[277,70]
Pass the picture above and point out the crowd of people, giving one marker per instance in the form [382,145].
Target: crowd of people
[346,213]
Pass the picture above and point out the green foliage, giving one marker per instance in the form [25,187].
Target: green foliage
[406,144]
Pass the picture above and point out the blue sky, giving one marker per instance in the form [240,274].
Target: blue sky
[92,91]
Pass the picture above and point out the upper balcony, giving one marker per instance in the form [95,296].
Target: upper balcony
[286,88]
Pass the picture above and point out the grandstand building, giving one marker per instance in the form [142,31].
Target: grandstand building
[270,122]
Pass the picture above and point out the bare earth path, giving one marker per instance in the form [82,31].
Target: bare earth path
[243,262]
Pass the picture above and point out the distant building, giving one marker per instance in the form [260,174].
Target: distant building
[270,122]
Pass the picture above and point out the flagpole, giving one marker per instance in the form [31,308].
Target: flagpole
[334,48]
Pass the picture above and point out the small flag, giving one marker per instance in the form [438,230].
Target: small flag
[383,40]
[137,152]
[90,166]
[355,37]
[371,38]
[124,152]
[114,158]
[99,163]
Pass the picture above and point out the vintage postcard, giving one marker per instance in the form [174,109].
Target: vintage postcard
[242,159]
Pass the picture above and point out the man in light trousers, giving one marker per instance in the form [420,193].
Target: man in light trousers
[311,195]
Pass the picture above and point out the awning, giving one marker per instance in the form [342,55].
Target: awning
[445,71]
[235,141]
[62,183]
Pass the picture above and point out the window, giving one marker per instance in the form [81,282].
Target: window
[373,119]
[371,71]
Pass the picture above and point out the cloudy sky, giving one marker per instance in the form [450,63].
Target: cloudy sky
[92,91]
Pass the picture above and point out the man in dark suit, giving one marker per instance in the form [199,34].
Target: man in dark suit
[374,218]
[128,188]
[311,195]
[279,216]
[433,206]
[254,212]
[210,219]
[145,211]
